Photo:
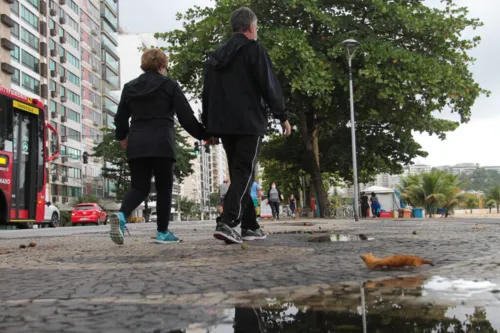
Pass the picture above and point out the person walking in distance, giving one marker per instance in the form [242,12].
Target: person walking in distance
[256,193]
[145,128]
[238,77]
[274,199]
[223,188]
[292,203]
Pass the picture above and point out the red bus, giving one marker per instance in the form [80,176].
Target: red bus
[23,157]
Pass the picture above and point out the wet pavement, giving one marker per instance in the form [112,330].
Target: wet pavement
[84,283]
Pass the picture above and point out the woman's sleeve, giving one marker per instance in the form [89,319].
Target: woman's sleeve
[122,118]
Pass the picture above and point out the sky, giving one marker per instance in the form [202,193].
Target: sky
[474,142]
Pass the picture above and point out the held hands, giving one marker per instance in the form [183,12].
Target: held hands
[287,129]
[213,141]
[124,143]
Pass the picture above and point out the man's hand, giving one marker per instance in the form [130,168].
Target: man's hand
[213,141]
[124,143]
[287,129]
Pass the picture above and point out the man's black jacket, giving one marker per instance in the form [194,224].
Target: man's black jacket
[239,78]
[151,101]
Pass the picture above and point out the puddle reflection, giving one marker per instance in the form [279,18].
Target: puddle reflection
[395,305]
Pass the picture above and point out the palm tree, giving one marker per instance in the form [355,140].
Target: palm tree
[494,195]
[433,190]
[471,202]
[490,203]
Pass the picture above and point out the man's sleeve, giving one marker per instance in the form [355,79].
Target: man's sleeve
[268,82]
[122,118]
[185,115]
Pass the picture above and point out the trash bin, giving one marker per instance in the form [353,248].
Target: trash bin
[418,213]
[401,213]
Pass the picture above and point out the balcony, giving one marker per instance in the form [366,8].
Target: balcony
[111,62]
[111,78]
[108,45]
[109,30]
[110,17]
[113,5]
[110,105]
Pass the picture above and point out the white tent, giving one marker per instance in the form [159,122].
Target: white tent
[386,196]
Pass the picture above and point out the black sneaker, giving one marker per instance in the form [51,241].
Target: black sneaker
[225,233]
[250,235]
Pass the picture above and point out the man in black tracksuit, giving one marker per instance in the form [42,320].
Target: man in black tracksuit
[238,80]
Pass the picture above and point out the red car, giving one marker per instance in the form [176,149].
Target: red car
[89,213]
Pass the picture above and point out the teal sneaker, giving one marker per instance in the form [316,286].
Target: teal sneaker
[166,238]
[118,225]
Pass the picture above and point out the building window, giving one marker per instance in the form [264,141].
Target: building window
[62,71]
[73,153]
[52,24]
[52,45]
[31,84]
[75,116]
[75,98]
[15,78]
[62,91]
[29,17]
[62,51]
[72,23]
[72,41]
[62,111]
[74,135]
[53,189]
[53,106]
[73,6]
[34,3]
[14,8]
[53,86]
[73,60]
[30,61]
[14,31]
[73,78]
[14,54]
[74,191]
[52,65]
[64,191]
[30,39]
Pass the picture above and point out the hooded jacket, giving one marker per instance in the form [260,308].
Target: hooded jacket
[146,116]
[239,81]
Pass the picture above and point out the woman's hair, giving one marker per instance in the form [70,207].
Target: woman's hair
[373,194]
[153,59]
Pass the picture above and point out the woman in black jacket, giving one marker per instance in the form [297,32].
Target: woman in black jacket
[145,128]
[274,199]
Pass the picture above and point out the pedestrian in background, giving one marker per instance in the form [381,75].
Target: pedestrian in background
[365,206]
[238,78]
[274,198]
[375,205]
[144,123]
[256,193]
[223,188]
[292,203]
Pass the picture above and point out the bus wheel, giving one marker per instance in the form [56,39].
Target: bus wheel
[54,221]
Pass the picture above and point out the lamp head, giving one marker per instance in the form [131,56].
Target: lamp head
[350,43]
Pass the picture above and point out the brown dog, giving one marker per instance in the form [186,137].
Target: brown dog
[398,261]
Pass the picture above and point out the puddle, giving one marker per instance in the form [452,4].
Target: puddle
[339,238]
[415,304]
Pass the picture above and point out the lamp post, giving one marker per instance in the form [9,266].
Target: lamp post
[350,46]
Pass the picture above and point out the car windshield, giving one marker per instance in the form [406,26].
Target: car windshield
[87,207]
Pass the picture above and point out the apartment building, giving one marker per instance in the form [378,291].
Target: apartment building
[64,53]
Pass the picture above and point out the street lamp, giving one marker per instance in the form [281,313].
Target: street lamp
[350,46]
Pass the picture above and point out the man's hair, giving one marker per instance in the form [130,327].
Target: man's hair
[153,59]
[242,18]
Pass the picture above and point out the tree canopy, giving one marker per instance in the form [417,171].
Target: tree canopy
[413,63]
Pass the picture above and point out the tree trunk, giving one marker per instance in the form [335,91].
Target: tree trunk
[471,210]
[498,207]
[308,132]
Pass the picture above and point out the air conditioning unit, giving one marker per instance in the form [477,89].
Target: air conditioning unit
[54,178]
[94,50]
[95,86]
[96,124]
[65,199]
[63,79]
[64,99]
[94,32]
[62,2]
[62,39]
[64,159]
[53,12]
[53,115]
[65,179]
[55,198]
[64,138]
[53,94]
[63,119]
[53,73]
[95,69]
[63,59]
[53,32]
[53,53]
[94,104]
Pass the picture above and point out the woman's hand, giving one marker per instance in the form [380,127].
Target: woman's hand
[124,143]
